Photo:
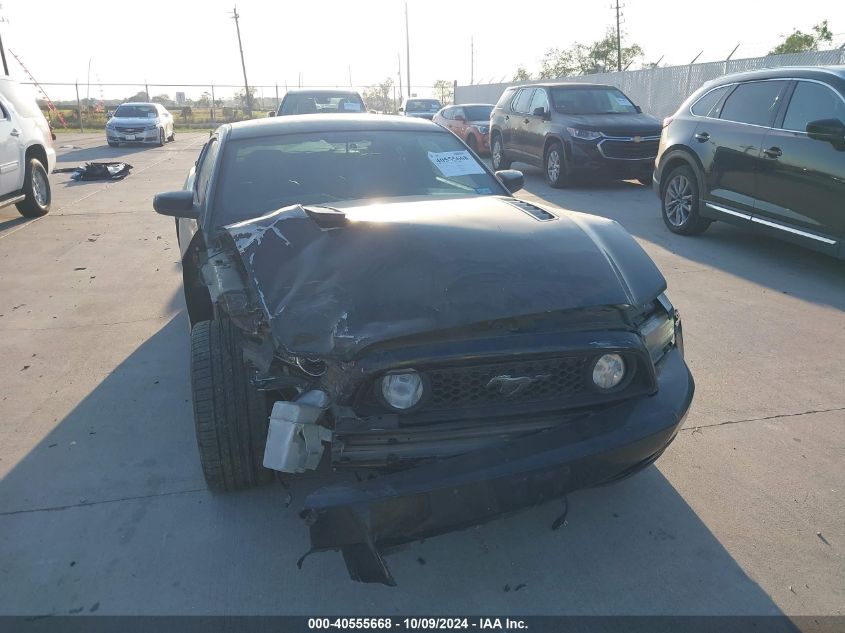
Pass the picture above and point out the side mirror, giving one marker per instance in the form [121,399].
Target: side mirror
[830,130]
[177,204]
[271,113]
[512,179]
[638,109]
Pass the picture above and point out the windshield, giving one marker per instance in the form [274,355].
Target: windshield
[576,100]
[422,105]
[319,168]
[478,113]
[321,103]
[136,112]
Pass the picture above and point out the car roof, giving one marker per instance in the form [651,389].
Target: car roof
[461,105]
[137,103]
[304,123]
[797,72]
[565,84]
[322,91]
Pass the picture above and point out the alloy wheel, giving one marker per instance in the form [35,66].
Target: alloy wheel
[40,188]
[553,165]
[678,200]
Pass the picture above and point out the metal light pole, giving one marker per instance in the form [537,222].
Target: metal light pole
[248,97]
[407,51]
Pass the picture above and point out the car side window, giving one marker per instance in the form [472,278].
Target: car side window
[540,100]
[447,113]
[708,104]
[755,103]
[456,112]
[812,102]
[204,169]
[523,100]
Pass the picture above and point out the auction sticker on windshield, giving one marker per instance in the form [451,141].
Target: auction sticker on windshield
[457,163]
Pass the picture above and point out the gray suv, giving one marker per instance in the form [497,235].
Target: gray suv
[569,128]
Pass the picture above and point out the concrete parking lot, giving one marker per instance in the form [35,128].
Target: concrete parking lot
[103,507]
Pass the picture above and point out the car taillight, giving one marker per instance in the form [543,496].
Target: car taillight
[667,121]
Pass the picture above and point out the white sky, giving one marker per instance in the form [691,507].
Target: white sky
[194,42]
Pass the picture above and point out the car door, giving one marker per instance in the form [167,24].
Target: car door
[457,122]
[802,181]
[730,147]
[11,170]
[536,125]
[518,122]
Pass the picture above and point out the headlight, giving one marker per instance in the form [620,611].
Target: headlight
[608,371]
[110,123]
[584,135]
[151,126]
[402,391]
[483,129]
[659,331]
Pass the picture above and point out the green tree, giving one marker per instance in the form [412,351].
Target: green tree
[380,97]
[586,59]
[162,99]
[800,42]
[521,74]
[444,90]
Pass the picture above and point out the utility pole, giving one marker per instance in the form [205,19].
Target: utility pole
[247,96]
[407,50]
[399,62]
[3,48]
[618,36]
[471,60]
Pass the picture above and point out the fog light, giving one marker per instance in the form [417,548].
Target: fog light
[608,371]
[402,391]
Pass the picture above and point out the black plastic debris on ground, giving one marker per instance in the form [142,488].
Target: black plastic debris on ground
[97,171]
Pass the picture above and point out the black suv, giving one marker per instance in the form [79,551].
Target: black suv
[763,149]
[571,128]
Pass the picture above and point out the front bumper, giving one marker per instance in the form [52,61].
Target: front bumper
[144,136]
[587,156]
[365,519]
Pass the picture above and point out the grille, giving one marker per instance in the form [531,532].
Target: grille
[629,149]
[508,382]
[130,130]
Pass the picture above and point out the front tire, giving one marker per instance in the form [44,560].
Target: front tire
[230,414]
[472,143]
[161,139]
[679,202]
[554,163]
[36,187]
[172,134]
[497,154]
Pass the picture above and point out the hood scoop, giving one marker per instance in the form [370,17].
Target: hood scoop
[533,210]
[326,217]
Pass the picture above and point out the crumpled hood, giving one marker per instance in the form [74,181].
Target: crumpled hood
[417,265]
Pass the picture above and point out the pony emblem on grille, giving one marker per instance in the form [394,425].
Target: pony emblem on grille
[513,385]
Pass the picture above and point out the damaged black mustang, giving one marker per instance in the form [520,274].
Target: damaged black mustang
[365,294]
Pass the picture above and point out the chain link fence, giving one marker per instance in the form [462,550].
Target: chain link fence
[85,107]
[660,91]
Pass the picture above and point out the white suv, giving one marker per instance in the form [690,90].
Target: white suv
[26,151]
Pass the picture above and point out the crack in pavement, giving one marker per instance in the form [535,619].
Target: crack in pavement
[104,501]
[693,429]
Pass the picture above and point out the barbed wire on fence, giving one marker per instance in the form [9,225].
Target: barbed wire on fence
[660,91]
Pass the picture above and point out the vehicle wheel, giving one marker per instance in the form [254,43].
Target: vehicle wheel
[557,173]
[472,143]
[36,187]
[231,416]
[679,203]
[172,134]
[113,144]
[497,152]
[161,137]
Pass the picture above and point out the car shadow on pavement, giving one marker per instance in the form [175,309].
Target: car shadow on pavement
[109,512]
[761,259]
